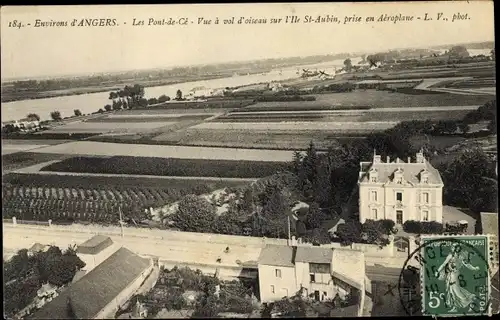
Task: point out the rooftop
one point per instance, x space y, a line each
276 255
411 171
95 245
96 289
314 255
489 223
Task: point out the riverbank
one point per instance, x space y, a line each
8 96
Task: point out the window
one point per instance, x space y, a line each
312 277
425 197
425 180
319 268
374 195
425 215
278 273
374 214
272 289
399 180
399 196
374 179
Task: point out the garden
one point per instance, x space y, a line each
190 290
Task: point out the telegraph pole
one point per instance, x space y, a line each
121 220
289 238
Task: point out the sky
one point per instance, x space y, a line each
50 51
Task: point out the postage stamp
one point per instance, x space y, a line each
454 275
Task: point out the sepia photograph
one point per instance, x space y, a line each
263 160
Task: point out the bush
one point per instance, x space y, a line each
423 227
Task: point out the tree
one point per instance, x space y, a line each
33 117
55 115
348 64
107 107
178 95
318 236
492 52
152 101
470 181
374 232
464 127
349 232
194 214
315 217
163 98
458 52
77 112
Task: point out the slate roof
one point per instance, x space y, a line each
286 256
95 245
411 171
489 223
314 255
96 289
276 255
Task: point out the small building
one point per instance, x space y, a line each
320 272
99 293
400 191
489 226
95 250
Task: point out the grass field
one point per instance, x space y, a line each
168 167
165 111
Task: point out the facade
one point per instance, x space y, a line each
284 270
100 292
400 191
489 226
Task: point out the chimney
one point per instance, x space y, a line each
388 159
420 157
376 157
409 159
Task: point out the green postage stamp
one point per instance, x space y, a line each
455 279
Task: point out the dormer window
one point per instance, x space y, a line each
398 176
424 176
373 175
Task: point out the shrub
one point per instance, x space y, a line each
423 227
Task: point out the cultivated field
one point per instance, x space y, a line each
12 145
373 99
20 160
262 139
93 148
168 167
102 127
340 127
93 198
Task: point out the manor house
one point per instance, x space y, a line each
399 190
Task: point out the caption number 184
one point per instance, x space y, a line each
15 24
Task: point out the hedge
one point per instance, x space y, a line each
423 227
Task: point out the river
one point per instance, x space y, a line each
91 102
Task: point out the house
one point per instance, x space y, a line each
100 292
333 224
320 272
489 226
400 191
94 251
